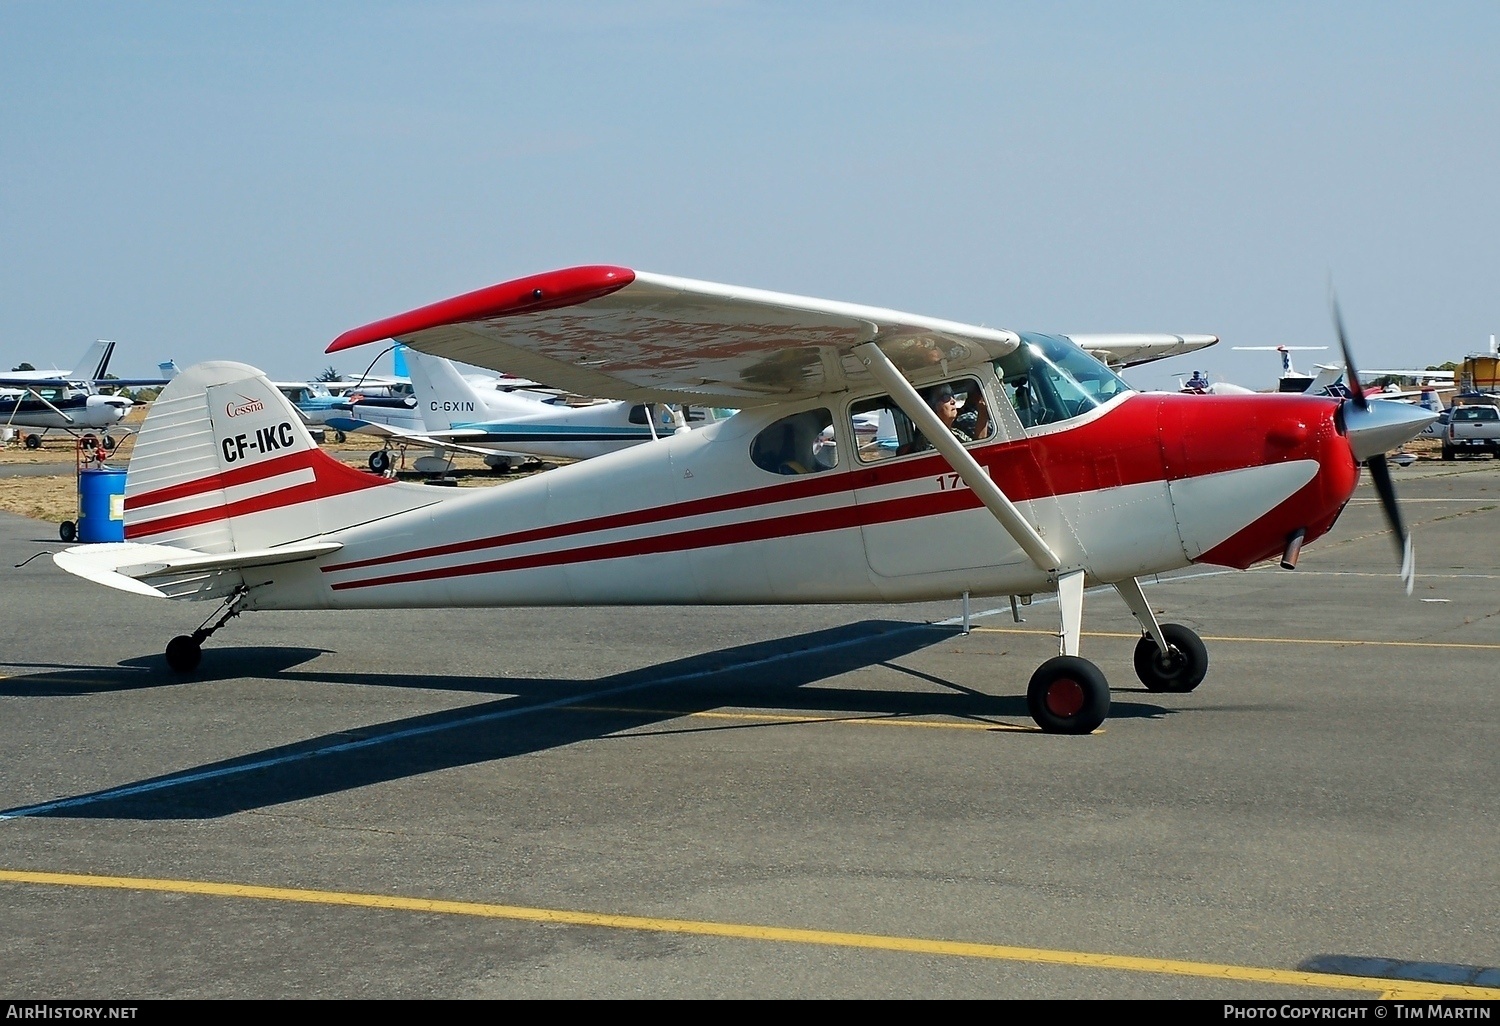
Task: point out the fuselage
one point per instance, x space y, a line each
78 410
1145 483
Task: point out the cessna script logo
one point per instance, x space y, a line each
248 406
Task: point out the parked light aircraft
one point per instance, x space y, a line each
1073 477
72 402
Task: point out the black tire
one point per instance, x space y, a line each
68 531
1447 453
184 654
33 441
1068 695
380 461
111 443
90 442
338 436
1183 667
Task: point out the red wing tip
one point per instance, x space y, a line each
550 290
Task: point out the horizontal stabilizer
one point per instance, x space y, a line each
128 565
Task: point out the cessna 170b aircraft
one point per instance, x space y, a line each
1065 475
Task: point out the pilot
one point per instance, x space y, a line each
968 420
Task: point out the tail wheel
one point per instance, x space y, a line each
1068 695
184 653
1183 666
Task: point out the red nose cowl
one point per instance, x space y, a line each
1211 434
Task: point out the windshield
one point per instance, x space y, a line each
1048 379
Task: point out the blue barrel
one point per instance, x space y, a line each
101 505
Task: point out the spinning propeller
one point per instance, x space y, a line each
1374 429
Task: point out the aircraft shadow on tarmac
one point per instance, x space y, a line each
534 715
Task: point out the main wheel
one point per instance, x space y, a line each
111 443
90 442
1068 695
339 436
1181 669
380 460
184 654
33 441
68 531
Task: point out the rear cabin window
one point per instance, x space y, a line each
882 431
1476 413
800 444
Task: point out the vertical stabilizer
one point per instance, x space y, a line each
224 463
95 362
446 398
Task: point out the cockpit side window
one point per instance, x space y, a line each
1049 380
883 431
802 443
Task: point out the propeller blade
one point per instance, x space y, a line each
1380 474
1351 375
1372 430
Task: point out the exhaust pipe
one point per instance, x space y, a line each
1293 549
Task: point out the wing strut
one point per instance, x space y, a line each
45 402
957 456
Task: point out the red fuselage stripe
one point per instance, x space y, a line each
1012 465
791 525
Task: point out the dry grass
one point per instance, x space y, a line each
54 496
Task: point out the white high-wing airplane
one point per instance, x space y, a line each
1065 476
80 413
505 425
71 402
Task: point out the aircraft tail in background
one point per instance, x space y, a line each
95 363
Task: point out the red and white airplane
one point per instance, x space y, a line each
1064 475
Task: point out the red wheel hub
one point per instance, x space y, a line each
1064 697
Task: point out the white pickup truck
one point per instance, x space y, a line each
1472 429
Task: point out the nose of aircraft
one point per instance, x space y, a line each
1382 425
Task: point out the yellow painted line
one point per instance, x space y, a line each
738 931
878 721
1267 641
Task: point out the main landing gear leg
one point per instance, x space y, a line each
185 651
1068 694
1169 656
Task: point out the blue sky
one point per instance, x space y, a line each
246 181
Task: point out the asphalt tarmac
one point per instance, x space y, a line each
796 802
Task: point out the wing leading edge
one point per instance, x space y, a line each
623 334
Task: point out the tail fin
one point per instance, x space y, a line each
445 397
224 464
95 362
